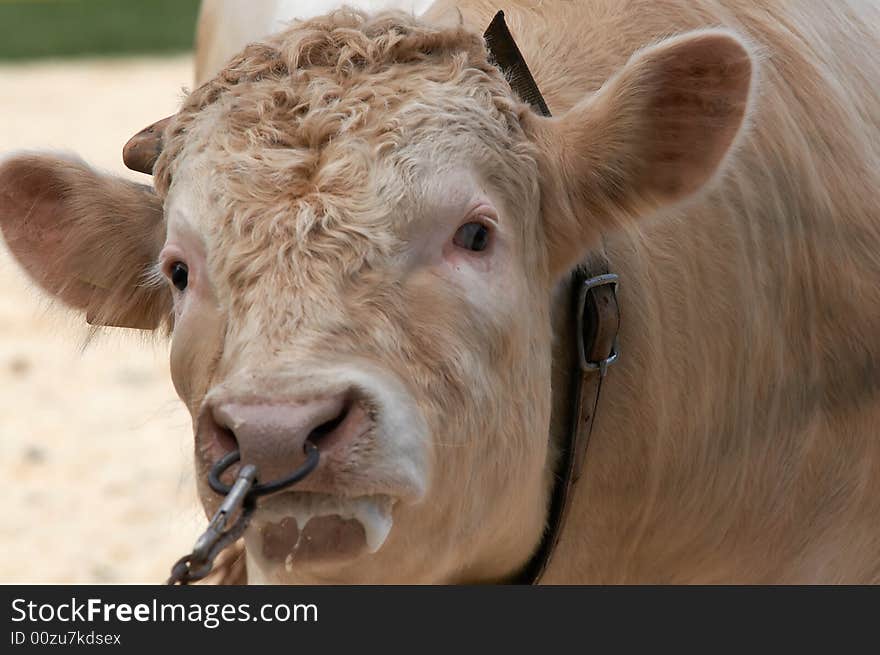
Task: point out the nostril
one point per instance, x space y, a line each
225 440
214 440
217 438
323 432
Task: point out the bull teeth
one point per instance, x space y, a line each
377 521
372 512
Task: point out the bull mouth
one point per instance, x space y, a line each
297 528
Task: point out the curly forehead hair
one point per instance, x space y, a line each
318 81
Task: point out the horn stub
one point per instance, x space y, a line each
143 149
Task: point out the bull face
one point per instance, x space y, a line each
387 338
356 233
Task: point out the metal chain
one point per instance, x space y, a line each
241 498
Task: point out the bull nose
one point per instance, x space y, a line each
272 435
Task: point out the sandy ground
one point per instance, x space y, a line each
95 462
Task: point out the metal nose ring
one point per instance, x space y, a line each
225 462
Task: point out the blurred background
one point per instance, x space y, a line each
95 448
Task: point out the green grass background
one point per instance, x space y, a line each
31 29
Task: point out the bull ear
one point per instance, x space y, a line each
88 239
655 134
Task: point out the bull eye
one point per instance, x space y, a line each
179 275
472 236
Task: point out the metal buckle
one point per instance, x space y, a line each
586 286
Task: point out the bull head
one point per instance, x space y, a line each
349 261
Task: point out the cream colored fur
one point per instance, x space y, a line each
737 437
226 26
